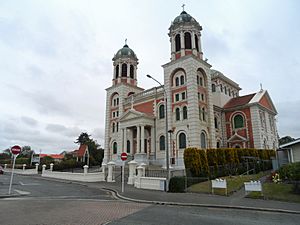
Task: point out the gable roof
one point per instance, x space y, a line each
81 151
290 143
238 101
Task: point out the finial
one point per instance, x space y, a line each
183 7
261 88
126 41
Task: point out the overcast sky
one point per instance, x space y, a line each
56 59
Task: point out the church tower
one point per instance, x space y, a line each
187 82
124 84
185 36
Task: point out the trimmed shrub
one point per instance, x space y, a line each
192 161
177 184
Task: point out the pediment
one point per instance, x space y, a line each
133 114
236 137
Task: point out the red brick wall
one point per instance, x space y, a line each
146 107
265 102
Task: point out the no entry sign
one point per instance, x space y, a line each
124 156
16 150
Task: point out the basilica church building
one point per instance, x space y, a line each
202 106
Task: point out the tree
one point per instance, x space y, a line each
285 140
96 155
83 139
26 152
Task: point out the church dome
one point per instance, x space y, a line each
184 18
125 52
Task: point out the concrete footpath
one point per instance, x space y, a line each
235 201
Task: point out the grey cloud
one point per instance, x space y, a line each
29 121
56 128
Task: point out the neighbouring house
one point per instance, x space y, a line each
82 154
289 152
56 157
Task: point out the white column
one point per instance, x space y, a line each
131 142
110 177
152 141
24 165
37 167
173 47
132 167
138 137
85 169
124 140
143 139
200 46
182 43
194 49
128 72
51 167
120 70
44 168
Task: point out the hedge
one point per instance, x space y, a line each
225 161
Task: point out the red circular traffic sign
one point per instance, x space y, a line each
124 156
16 150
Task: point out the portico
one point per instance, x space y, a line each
137 135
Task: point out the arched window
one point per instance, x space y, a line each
184 110
162 143
203 140
177 114
124 70
238 121
177 43
113 127
198 80
196 41
161 111
216 123
182 140
218 144
128 146
201 81
182 80
213 87
187 40
177 81
115 148
131 71
225 90
117 127
117 71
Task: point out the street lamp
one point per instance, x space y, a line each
166 136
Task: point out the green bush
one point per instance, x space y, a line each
67 164
290 171
23 161
177 184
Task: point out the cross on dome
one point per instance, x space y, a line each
183 7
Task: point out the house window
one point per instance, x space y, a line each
124 70
117 127
213 87
203 140
177 81
198 80
117 113
177 43
184 111
182 140
218 144
131 71
183 95
177 114
182 80
238 121
187 40
115 148
113 127
176 97
216 123
229 92
128 146
161 111
162 143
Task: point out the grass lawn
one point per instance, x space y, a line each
282 192
234 183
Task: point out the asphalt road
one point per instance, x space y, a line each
39 187
174 215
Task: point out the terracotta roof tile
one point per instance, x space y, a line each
238 101
81 150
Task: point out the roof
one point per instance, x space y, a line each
81 150
125 52
184 18
217 74
239 101
54 156
290 143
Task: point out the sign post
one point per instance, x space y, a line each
124 158
15 150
